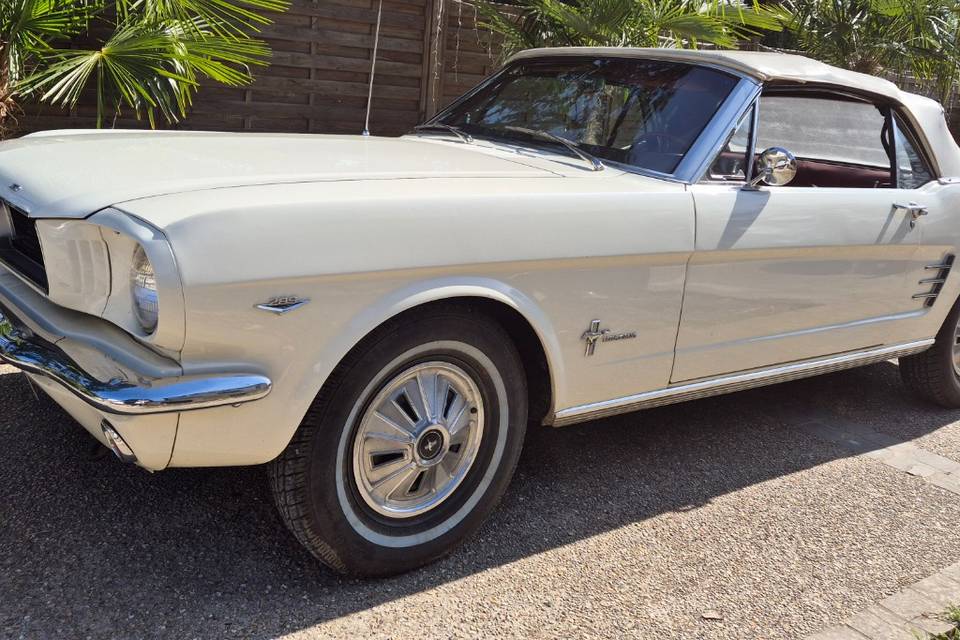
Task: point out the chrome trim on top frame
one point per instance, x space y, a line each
734 382
752 139
30 353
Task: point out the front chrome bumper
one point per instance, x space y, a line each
27 351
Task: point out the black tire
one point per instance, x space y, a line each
932 374
315 484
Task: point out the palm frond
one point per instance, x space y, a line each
919 37
678 23
222 17
152 68
153 61
28 26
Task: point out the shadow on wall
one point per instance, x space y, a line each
90 545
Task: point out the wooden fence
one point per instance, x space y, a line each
429 53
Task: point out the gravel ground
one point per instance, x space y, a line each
634 526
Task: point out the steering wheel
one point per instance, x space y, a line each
658 141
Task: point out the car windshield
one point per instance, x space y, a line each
645 113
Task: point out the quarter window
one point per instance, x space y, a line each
731 162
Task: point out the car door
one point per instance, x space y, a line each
824 265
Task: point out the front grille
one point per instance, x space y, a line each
25 239
21 250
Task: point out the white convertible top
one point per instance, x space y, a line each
759 65
764 66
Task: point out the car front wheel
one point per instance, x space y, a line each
409 446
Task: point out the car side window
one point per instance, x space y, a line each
912 170
838 142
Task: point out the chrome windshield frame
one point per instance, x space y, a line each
715 135
699 157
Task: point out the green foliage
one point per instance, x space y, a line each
636 23
149 56
952 615
921 37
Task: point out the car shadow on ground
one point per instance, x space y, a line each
91 547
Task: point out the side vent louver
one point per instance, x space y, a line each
935 282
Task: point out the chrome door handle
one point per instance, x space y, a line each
914 209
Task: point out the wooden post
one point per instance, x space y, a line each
434 50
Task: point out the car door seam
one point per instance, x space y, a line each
683 288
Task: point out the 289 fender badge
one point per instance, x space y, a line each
15 187
595 334
282 304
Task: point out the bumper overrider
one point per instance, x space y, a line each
117 400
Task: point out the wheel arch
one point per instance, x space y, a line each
526 323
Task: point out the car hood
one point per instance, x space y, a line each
71 174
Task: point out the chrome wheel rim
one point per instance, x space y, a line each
956 349
417 439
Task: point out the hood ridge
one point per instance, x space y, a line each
72 174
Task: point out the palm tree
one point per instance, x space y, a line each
920 37
148 56
637 23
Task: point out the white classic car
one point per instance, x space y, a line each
588 232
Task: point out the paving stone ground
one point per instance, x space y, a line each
820 506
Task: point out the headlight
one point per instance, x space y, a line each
143 286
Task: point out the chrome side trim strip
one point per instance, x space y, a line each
148 395
735 382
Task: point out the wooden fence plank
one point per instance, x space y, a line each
319 69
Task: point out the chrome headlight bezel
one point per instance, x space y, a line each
123 233
121 237
145 297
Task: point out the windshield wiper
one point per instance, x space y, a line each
463 135
569 144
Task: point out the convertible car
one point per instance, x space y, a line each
588 232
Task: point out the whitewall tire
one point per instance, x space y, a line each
409 446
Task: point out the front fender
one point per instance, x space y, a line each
423 292
258 432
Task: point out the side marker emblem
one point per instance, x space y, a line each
282 304
595 335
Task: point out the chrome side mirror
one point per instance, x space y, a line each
776 167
